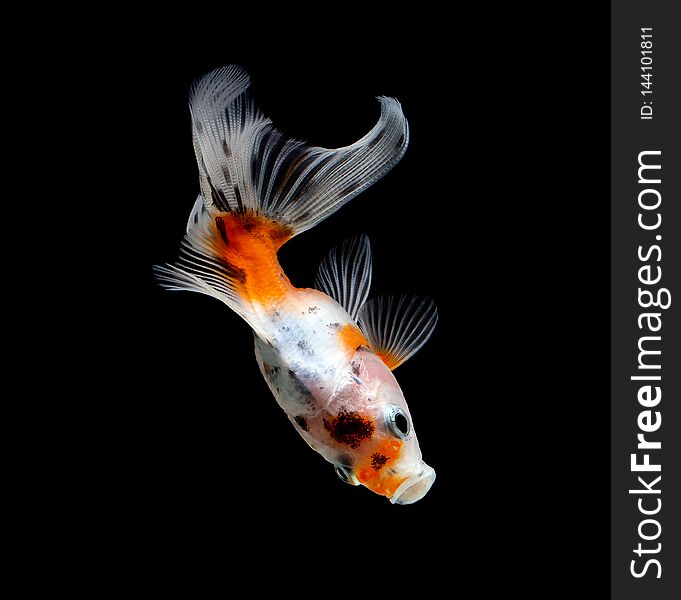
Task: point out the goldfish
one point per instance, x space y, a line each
327 353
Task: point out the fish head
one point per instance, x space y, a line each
372 438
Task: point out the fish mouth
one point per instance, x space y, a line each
414 488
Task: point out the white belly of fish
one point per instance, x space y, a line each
305 360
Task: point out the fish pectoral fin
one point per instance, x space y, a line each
397 326
345 274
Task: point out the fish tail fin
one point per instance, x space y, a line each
247 165
260 188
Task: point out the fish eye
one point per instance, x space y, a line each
398 422
345 475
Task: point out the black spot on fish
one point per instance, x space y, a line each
302 344
355 368
335 325
229 270
291 374
222 230
235 272
237 196
218 197
302 422
378 461
350 428
284 328
313 309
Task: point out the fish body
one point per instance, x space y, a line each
326 354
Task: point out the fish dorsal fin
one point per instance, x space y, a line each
345 274
397 327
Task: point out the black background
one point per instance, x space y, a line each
498 211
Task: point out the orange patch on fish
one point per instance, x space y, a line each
351 337
381 480
249 245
